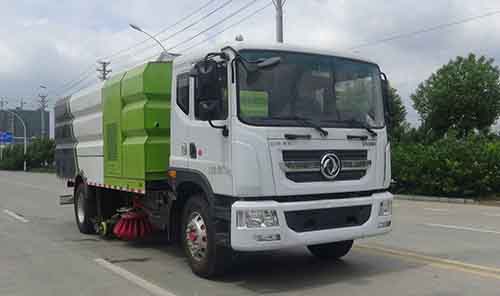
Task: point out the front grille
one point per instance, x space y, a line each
304 177
322 219
356 164
304 155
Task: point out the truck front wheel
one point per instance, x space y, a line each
85 209
205 257
332 250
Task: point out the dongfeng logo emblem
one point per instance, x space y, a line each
330 166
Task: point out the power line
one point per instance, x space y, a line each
86 73
65 85
77 82
182 42
205 16
215 25
201 32
231 26
165 29
425 30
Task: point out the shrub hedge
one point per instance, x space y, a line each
40 154
452 167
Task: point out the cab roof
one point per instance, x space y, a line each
195 56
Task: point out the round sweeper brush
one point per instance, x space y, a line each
133 225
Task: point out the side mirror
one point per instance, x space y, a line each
386 97
205 69
209 109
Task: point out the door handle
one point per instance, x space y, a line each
192 150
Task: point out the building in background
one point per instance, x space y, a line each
33 120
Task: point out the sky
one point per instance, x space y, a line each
54 42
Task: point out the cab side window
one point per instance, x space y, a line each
183 92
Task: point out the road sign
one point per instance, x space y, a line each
6 138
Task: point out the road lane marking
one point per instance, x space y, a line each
16 216
455 227
480 270
436 210
491 215
137 280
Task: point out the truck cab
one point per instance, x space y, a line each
289 144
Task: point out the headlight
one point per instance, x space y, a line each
385 208
257 219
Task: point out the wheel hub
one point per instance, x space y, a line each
196 236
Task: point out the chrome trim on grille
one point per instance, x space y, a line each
314 166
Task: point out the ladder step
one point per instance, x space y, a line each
66 199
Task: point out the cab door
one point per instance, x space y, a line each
209 145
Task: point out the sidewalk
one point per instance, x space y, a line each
446 199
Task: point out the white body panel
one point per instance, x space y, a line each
86 108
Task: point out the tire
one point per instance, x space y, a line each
205 257
85 209
332 250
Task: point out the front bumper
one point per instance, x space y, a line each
244 239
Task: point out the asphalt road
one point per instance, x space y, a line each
434 249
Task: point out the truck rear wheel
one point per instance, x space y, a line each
205 257
332 250
85 210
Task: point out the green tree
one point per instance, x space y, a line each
397 119
12 158
41 153
463 95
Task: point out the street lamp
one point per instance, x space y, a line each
25 139
139 29
165 52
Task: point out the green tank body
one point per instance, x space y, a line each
136 125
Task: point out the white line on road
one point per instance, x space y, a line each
148 286
491 215
436 210
16 216
462 228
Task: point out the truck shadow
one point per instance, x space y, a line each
296 269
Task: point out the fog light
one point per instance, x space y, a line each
385 208
267 237
256 219
384 224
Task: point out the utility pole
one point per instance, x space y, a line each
3 102
279 4
43 104
103 70
22 102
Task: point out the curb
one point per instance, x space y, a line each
435 199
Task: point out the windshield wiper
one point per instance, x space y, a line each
357 123
305 121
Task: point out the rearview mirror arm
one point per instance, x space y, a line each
225 130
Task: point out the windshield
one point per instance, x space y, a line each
331 91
